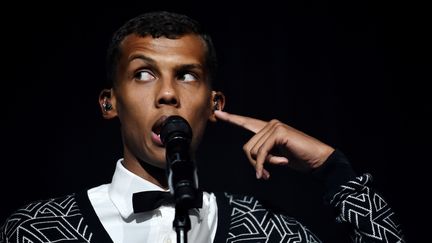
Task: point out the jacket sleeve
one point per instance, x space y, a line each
356 203
2 235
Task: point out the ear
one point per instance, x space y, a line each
217 103
107 103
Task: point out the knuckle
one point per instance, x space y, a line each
275 122
246 148
279 126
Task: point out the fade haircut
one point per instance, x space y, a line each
159 24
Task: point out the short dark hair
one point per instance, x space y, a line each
159 24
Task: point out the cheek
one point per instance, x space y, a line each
199 112
135 102
199 106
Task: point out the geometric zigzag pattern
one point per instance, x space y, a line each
251 222
370 216
52 220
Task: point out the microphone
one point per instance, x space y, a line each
176 136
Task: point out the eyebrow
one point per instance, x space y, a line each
142 57
184 67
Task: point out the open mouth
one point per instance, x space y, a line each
156 129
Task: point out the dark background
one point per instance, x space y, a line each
351 74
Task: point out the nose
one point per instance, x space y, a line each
167 94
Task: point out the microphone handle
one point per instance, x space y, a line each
182 174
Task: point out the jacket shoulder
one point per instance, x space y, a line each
248 219
49 220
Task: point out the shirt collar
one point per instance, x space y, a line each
123 185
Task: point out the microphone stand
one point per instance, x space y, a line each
181 223
184 194
182 183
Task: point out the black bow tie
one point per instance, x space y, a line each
150 200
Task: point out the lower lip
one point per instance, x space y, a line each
156 139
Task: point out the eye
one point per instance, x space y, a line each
188 77
144 75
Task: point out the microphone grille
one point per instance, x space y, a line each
175 126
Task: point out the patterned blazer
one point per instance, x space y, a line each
240 218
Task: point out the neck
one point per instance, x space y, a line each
155 175
146 171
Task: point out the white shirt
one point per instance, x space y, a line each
113 205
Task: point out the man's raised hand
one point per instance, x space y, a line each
277 143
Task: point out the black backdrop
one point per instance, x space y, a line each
351 74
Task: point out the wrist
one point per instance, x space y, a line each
334 171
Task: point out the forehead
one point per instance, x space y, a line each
189 48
